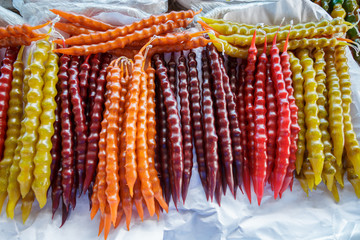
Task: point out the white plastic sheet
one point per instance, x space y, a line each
8 17
209 5
112 11
295 216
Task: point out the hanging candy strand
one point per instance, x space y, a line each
33 110
42 158
13 188
186 121
260 131
14 114
249 109
199 122
222 116
151 133
283 121
294 127
313 135
111 34
173 120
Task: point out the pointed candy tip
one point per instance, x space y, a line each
25 216
265 45
248 192
23 191
218 200
2 200
128 220
166 209
184 194
80 192
242 192
131 191
276 190
285 185
248 196
164 206
317 180
86 186
42 204
178 196
259 196
101 225
58 41
118 219
232 191
275 195
253 40
107 226
113 220
151 211
199 11
10 212
176 207
41 199
57 50
65 214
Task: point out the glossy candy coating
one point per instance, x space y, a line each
42 159
33 110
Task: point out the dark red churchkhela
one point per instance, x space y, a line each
186 124
173 120
56 138
162 142
210 136
234 127
67 152
172 73
196 117
79 120
95 124
223 125
84 80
